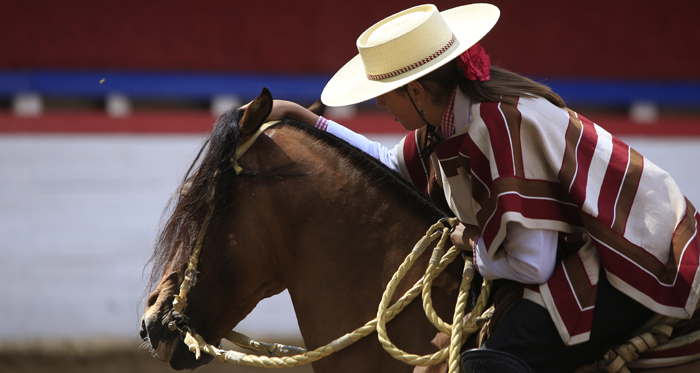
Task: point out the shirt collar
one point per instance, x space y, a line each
448 117
457 115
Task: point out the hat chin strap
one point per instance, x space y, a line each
432 137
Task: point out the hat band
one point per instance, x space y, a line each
416 64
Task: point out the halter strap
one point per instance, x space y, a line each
244 147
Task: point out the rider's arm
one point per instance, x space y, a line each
287 109
530 255
373 148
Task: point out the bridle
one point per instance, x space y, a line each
179 320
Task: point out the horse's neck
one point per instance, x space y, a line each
354 240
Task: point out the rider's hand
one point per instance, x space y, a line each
282 109
464 236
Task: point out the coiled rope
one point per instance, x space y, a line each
438 263
657 331
456 331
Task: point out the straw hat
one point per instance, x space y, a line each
403 47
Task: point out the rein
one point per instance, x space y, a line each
459 331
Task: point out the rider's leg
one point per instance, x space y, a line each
528 332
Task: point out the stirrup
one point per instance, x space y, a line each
492 361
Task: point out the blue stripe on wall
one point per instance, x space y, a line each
160 85
308 88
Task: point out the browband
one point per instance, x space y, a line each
242 149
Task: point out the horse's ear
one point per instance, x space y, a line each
318 108
256 113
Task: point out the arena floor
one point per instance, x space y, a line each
118 359
119 362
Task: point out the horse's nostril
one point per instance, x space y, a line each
152 300
143 333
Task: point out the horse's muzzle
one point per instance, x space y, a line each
167 345
181 358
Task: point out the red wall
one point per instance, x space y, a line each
597 38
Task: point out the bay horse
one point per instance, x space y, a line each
309 213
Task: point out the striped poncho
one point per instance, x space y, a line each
550 168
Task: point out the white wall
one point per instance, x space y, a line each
78 215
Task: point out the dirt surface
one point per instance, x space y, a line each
121 359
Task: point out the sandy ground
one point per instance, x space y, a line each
106 357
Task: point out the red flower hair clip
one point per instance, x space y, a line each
475 63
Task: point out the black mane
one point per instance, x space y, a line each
212 169
188 205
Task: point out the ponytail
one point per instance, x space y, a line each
502 86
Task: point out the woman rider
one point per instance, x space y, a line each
600 237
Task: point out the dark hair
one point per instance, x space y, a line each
502 86
189 204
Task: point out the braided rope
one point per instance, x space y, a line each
274 349
197 345
457 331
430 274
656 332
180 300
458 336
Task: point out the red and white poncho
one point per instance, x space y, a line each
549 168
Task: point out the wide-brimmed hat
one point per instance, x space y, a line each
404 47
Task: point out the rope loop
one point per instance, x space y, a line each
290 356
457 331
655 332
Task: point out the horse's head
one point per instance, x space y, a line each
223 291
